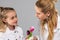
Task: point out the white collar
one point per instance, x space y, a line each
9 31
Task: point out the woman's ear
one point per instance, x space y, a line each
48 13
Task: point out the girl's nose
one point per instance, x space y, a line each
16 19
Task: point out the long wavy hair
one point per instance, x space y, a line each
48 6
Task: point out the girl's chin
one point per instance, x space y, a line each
15 24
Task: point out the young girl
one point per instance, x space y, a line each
49 19
9 19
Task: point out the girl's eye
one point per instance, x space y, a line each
16 16
12 17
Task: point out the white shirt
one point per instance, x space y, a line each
56 32
16 34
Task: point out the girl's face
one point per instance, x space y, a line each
11 18
39 14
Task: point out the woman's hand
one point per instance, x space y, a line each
31 38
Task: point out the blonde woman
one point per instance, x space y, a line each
49 19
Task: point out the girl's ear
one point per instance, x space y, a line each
4 20
48 13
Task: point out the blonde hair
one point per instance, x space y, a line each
3 12
2 26
6 10
48 6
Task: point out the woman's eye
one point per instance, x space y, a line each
38 13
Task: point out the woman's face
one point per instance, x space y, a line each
39 14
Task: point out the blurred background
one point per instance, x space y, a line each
26 13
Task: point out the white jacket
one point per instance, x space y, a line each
56 32
16 34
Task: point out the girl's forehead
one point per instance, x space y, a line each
11 13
